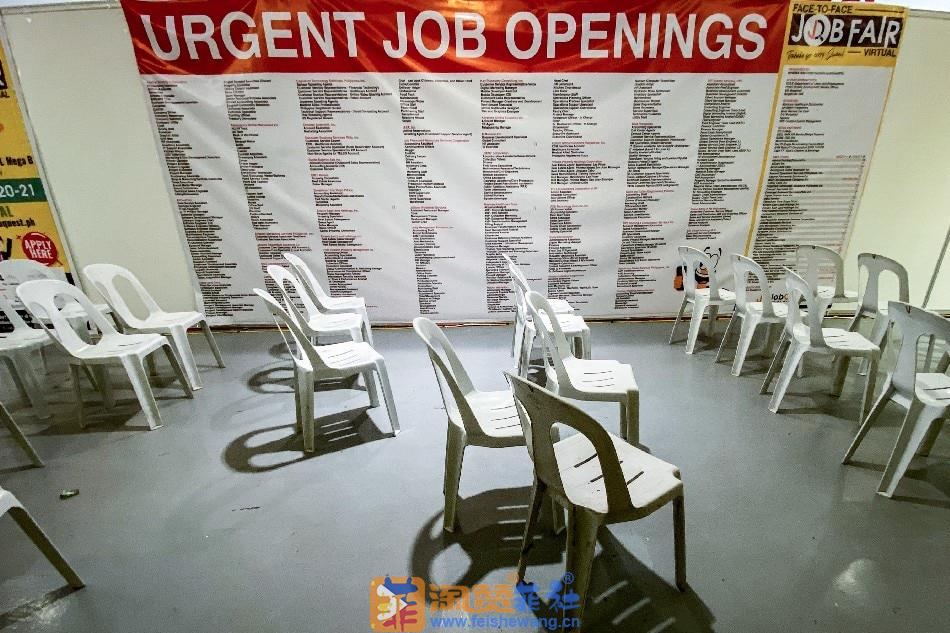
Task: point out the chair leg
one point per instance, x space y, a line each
711 322
356 334
39 538
676 321
104 384
840 374
518 339
372 390
869 384
931 438
515 328
179 371
695 325
725 335
531 525
44 357
17 378
780 352
213 344
75 375
878 336
33 391
868 422
306 397
795 354
679 541
298 425
585 344
388 396
366 327
454 454
18 437
916 426
581 543
183 348
630 418
135 368
749 325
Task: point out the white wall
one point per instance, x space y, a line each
89 112
905 210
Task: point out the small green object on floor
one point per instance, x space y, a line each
66 494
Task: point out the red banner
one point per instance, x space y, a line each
446 36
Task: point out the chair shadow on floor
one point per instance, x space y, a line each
30 609
277 446
625 596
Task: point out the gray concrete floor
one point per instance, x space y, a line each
219 522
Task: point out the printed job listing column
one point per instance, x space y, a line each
837 67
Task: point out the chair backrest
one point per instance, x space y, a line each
799 290
310 282
103 278
16 271
554 342
302 350
693 259
914 324
875 265
291 288
742 267
12 315
47 297
819 260
450 374
519 284
539 410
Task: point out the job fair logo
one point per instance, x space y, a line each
836 25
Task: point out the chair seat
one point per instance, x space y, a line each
24 338
561 306
726 296
118 345
933 389
571 324
496 415
839 340
828 292
163 320
348 355
651 482
335 322
343 303
592 377
780 309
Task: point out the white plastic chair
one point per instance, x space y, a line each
316 323
327 362
585 379
925 395
518 281
326 303
599 478
129 350
809 337
573 326
18 271
752 314
174 325
10 504
712 297
18 436
870 306
476 418
15 348
818 261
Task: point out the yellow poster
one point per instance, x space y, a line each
27 227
